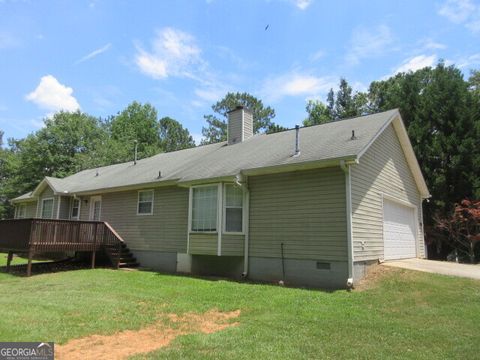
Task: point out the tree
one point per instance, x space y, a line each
216 129
274 128
136 122
173 136
344 102
340 105
462 227
64 146
318 113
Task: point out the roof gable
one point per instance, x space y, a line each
402 134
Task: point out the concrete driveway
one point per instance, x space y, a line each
437 267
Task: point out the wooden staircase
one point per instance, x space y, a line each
127 260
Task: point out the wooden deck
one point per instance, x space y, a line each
35 236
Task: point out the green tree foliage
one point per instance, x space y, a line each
136 122
340 105
65 145
318 113
216 129
173 136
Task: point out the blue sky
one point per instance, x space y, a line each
182 56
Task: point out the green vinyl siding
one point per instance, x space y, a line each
232 245
304 210
203 244
383 169
31 209
165 230
84 208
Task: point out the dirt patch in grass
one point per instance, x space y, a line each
374 277
131 342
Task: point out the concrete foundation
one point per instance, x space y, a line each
156 260
361 269
309 273
227 266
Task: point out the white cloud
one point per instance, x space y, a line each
173 53
302 4
467 61
368 43
94 53
457 11
295 84
210 94
316 56
416 63
430 44
53 96
464 12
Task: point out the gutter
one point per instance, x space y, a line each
246 210
345 166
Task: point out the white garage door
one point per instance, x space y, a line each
398 231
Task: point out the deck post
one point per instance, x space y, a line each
29 265
9 260
94 245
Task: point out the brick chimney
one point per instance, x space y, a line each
240 125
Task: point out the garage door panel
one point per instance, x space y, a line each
398 231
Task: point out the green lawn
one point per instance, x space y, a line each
405 315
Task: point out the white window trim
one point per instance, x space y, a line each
92 201
79 207
17 211
190 210
224 221
53 207
138 202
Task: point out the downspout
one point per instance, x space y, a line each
246 210
348 195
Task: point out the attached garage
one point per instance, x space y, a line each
399 231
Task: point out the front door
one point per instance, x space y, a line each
95 208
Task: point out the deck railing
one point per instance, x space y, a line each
46 235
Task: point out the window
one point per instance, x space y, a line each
47 209
233 209
21 211
204 208
75 209
145 202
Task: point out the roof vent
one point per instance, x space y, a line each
297 140
159 175
353 135
135 156
96 173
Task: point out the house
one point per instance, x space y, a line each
313 206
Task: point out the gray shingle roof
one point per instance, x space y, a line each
317 143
